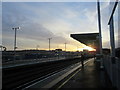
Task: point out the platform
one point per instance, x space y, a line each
91 76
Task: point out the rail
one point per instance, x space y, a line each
17 77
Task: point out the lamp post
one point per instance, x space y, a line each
65 46
37 47
15 47
65 49
49 42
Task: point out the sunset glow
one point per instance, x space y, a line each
89 48
39 21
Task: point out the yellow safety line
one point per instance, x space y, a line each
67 80
70 77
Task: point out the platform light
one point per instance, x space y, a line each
15 47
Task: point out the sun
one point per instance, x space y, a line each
88 48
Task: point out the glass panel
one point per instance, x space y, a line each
116 30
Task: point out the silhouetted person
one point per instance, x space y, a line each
82 59
94 56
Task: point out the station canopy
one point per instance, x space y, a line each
89 39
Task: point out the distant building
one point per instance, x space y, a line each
58 49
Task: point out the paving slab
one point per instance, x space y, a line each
91 76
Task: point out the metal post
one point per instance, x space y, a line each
15 46
65 46
112 40
49 42
15 42
37 47
100 36
65 49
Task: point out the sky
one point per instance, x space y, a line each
39 21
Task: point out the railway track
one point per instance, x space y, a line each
22 76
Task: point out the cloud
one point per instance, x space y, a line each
39 21
91 15
29 29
